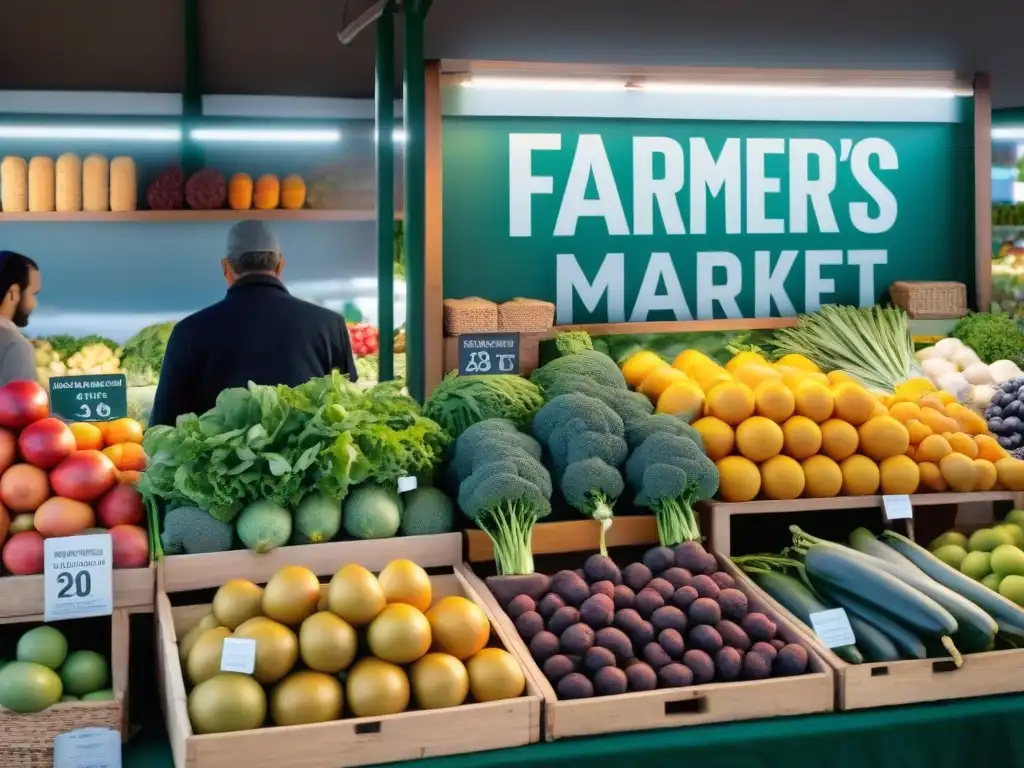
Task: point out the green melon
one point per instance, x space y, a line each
317 518
264 526
27 687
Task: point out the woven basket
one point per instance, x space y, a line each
470 315
526 316
26 741
930 299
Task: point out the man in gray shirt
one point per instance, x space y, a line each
19 285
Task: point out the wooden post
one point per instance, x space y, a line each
433 323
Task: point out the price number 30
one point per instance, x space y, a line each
480 362
85 412
74 585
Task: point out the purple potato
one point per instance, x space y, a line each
701 665
691 556
598 657
677 577
643 634
777 643
610 681
767 650
733 604
571 587
574 686
580 572
672 641
543 646
627 619
605 588
648 601
658 559
756 667
636 576
675 675
623 597
655 655
556 667
663 587
641 677
669 617
759 628
732 635
577 639
520 605
704 638
563 619
723 580
791 660
529 624
597 611
616 641
549 604
728 664
684 597
600 568
704 610
705 586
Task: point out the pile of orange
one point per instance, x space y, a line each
120 440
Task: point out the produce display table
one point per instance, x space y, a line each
972 731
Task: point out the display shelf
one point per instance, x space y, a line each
551 538
187 215
22 596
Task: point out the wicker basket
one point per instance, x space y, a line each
930 299
526 316
26 741
470 315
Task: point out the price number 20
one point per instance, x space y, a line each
74 585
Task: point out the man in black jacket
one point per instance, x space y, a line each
258 332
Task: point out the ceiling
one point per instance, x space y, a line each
290 48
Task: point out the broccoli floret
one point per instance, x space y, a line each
640 428
668 473
589 364
605 446
526 466
490 437
573 342
505 506
592 486
628 405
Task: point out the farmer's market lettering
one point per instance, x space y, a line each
709 176
633 220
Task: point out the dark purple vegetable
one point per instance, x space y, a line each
733 604
574 686
659 559
610 681
759 628
684 597
701 665
641 677
704 638
705 586
636 576
704 610
623 597
648 601
563 619
626 619
655 655
556 667
791 660
577 639
691 556
672 641
663 587
543 646
601 568
520 605
616 641
756 667
206 190
777 643
675 675
728 664
597 611
570 587
605 588
549 604
767 650
598 657
723 580
732 635
529 624
643 634
167 191
677 577
669 617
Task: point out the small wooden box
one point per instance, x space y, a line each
665 707
22 597
929 299
885 684
26 741
350 741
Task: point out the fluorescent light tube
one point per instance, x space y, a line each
267 135
1015 133
92 133
494 83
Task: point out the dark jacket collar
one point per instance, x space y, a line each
256 281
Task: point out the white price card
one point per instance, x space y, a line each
897 507
238 655
407 483
77 577
833 627
87 748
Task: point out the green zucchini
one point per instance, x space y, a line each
976 629
1007 615
796 598
837 567
906 644
864 541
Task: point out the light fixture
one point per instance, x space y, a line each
398 135
584 84
1015 133
267 135
90 133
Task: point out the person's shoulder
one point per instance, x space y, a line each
316 314
198 321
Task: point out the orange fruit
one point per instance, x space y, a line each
459 627
88 437
127 456
129 477
122 431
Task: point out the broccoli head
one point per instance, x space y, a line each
526 466
488 437
627 404
593 486
588 364
640 428
573 342
668 473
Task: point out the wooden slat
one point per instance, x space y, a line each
22 596
571 536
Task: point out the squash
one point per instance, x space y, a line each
917 431
1011 474
882 437
240 192
683 399
124 185
822 477
860 476
95 184
759 439
68 183
904 410
937 420
959 472
639 365
782 477
293 192
738 479
774 400
801 437
899 476
266 192
933 448
853 403
731 401
14 185
989 448
41 179
963 443
931 477
839 440
814 400
659 380
717 436
985 475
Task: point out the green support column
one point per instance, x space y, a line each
415 192
385 148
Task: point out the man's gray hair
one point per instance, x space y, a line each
254 261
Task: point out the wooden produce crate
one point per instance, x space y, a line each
350 741
26 741
717 516
22 596
885 684
663 707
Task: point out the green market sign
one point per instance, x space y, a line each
621 220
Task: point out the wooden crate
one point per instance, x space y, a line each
351 741
884 684
717 515
26 741
22 596
667 707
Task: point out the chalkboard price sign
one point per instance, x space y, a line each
485 354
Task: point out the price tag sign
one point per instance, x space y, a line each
407 483
833 627
485 354
101 397
238 655
897 507
87 748
77 577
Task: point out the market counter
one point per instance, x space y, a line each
954 734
